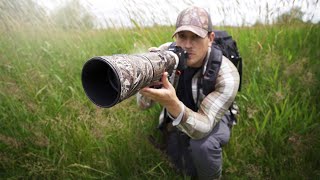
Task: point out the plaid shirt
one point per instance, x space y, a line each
211 107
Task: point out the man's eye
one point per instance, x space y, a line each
182 36
195 37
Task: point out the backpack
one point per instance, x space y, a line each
229 49
223 45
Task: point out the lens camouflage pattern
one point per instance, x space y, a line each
107 80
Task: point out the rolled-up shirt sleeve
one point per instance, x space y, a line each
178 119
213 107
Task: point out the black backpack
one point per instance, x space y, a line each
223 45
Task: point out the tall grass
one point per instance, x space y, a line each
277 135
49 129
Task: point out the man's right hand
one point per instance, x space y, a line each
166 96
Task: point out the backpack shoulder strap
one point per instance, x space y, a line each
212 69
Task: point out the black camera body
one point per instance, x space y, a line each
182 55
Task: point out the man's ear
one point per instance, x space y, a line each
211 38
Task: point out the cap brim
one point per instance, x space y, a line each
197 30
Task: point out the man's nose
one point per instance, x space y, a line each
188 43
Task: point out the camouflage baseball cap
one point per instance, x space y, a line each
194 19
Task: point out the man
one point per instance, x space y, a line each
198 124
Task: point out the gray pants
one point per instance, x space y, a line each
202 157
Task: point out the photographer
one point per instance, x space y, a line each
198 125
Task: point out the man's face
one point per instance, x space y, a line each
196 46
